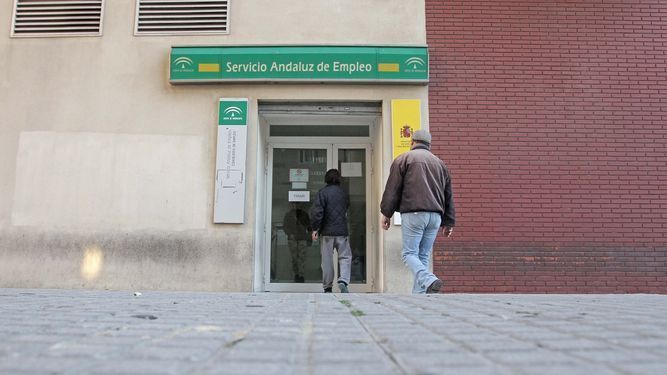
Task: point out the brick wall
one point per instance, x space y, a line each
552 116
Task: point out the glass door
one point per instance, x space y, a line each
296 173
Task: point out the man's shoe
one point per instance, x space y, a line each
327 290
434 287
343 287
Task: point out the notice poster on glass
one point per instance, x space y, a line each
298 196
350 169
298 175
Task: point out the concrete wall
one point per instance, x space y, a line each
105 166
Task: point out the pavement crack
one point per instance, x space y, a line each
308 336
231 344
380 342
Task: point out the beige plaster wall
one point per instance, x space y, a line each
103 162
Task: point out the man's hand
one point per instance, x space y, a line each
447 231
386 222
313 235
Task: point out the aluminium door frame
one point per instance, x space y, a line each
332 145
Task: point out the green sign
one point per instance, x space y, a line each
299 64
233 112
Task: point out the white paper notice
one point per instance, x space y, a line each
350 169
299 196
299 185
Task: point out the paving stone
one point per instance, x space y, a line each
38 364
169 353
655 368
355 368
615 355
532 357
569 369
139 366
417 361
249 368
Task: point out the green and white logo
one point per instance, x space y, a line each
415 64
182 64
233 112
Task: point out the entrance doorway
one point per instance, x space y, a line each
298 156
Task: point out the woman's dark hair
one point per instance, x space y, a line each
332 177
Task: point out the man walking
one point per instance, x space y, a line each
420 188
328 219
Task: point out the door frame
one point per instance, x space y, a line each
371 256
332 145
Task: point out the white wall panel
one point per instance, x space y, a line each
110 181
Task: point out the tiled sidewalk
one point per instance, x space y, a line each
112 332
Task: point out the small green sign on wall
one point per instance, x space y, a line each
230 161
233 112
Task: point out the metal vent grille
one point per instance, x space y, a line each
57 18
182 17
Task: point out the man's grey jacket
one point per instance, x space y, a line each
419 182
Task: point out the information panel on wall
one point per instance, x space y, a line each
358 64
230 166
405 120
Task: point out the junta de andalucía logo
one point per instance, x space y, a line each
182 64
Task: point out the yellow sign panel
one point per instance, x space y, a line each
209 68
388 67
405 120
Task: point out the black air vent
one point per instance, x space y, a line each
57 18
182 17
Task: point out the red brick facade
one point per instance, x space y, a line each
552 116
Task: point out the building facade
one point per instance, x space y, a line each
119 169
552 116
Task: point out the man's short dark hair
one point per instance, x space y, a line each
332 177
